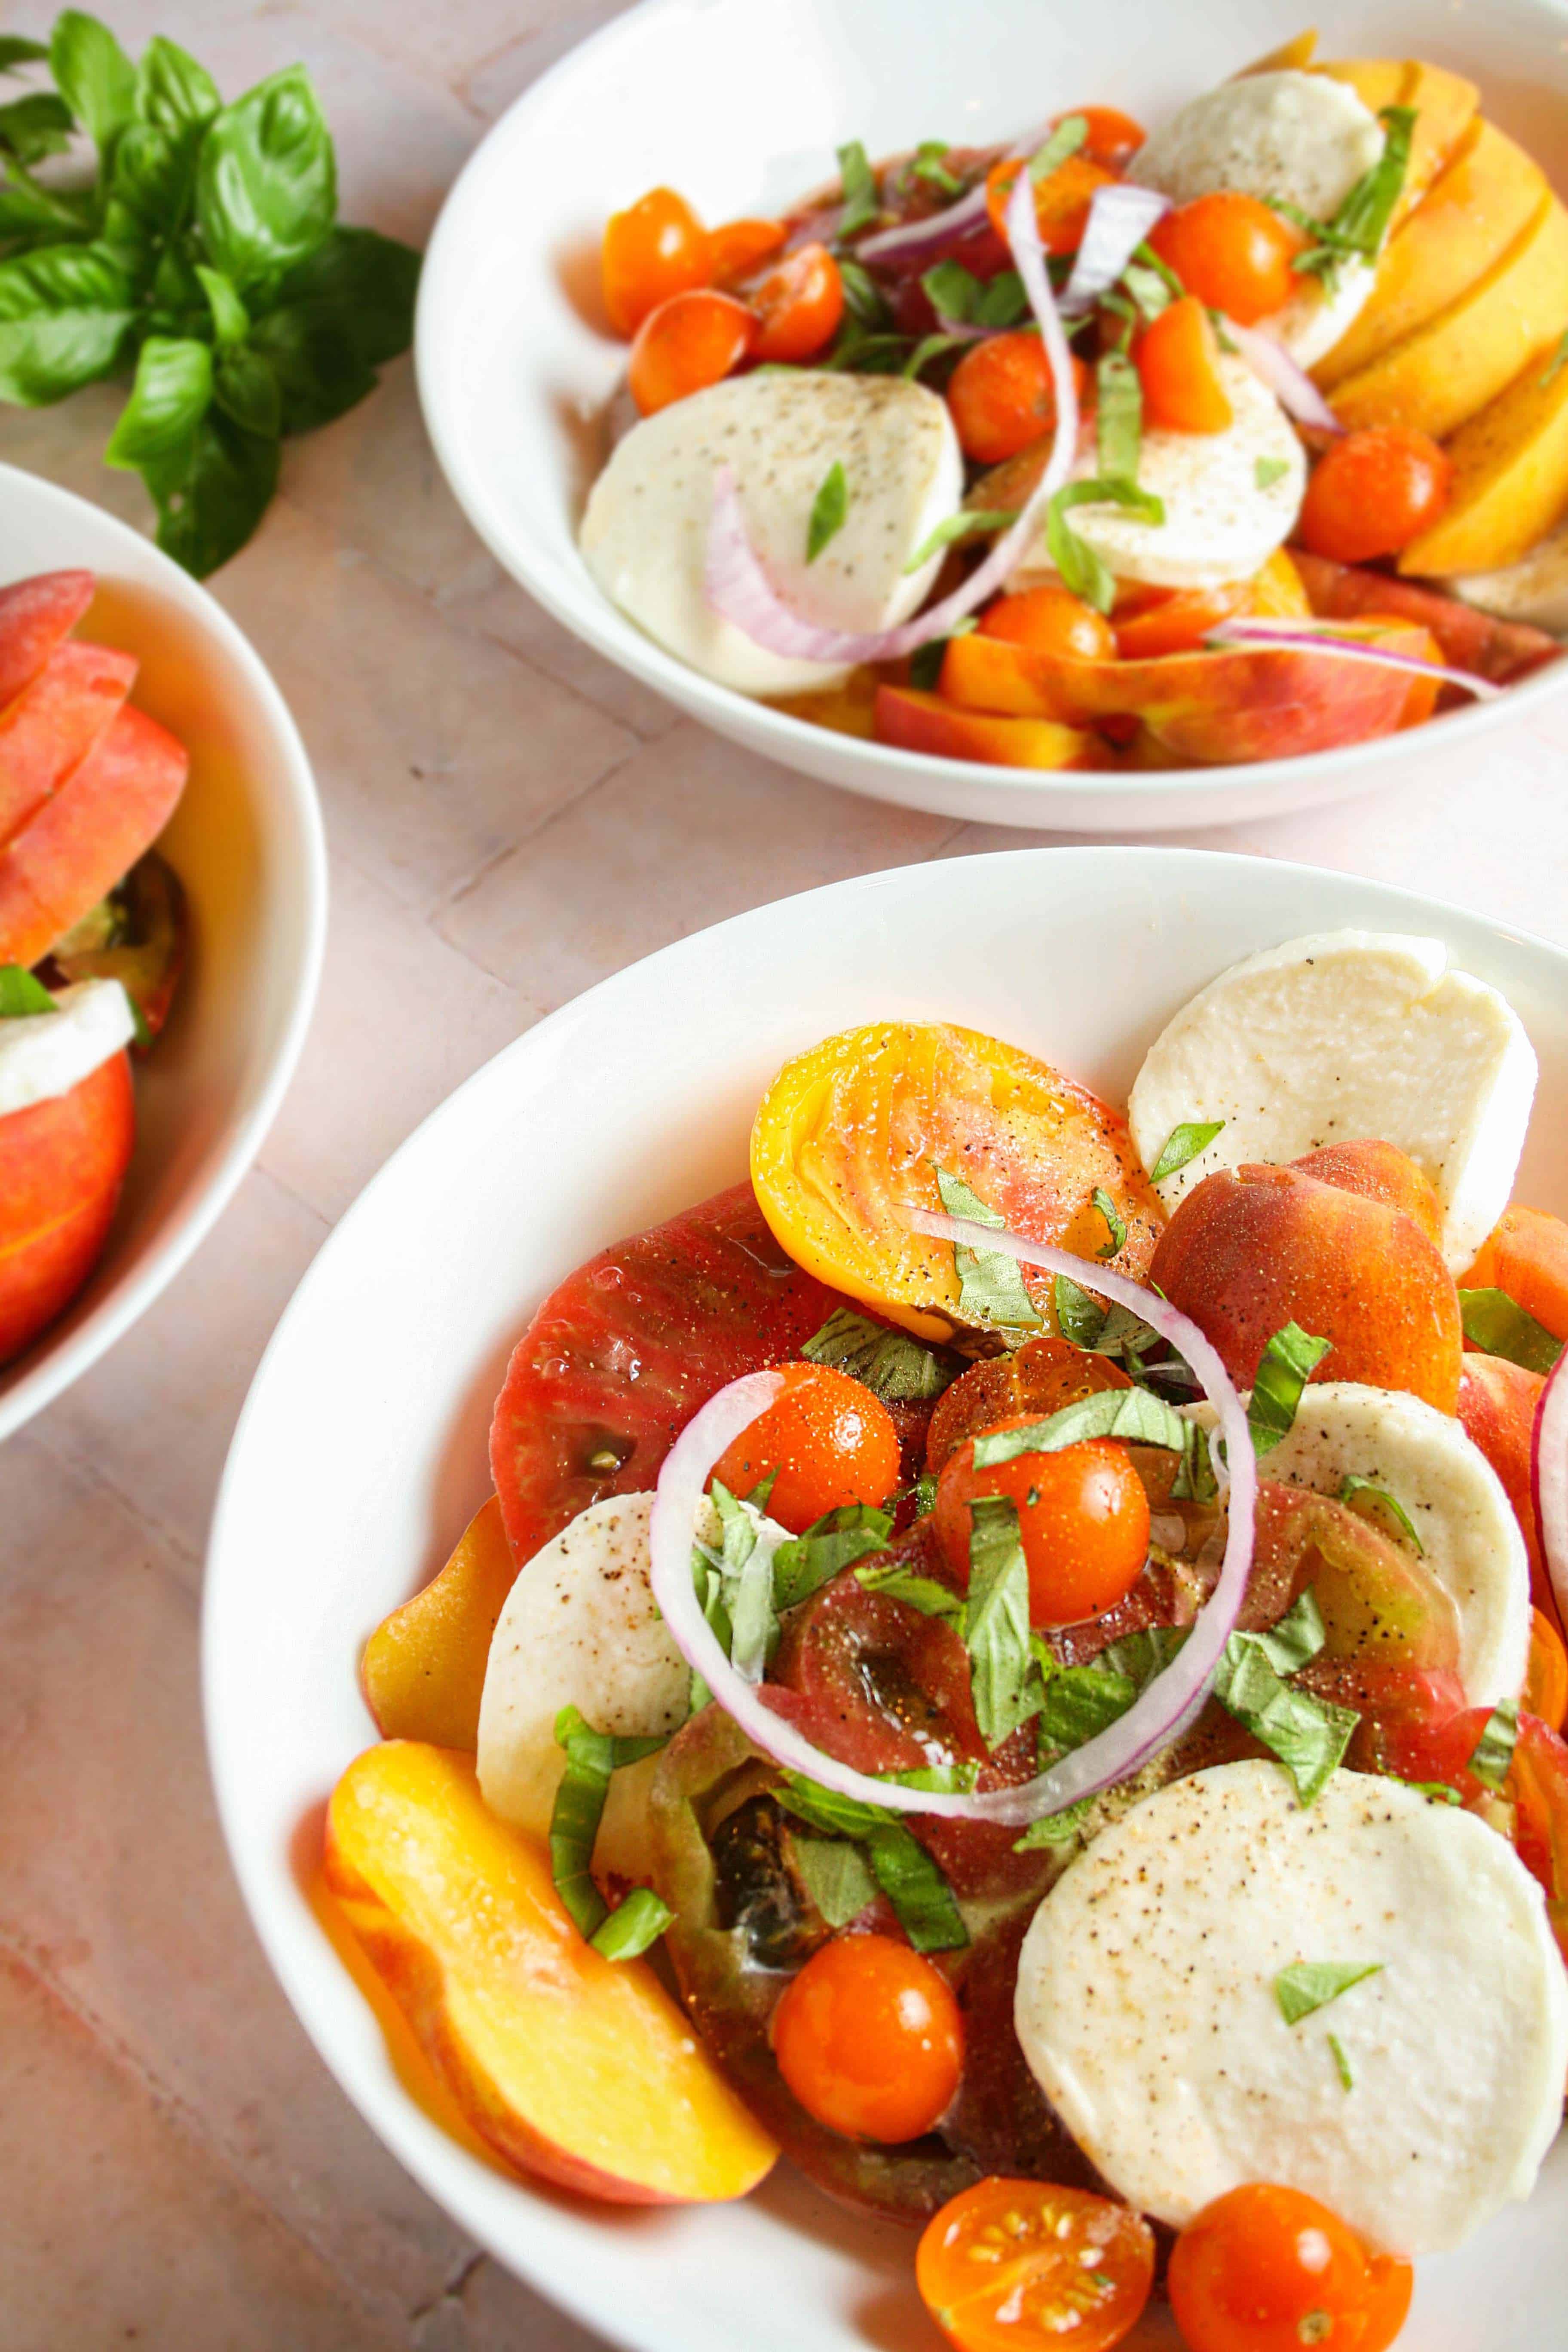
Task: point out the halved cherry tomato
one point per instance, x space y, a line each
1050 621
1267 2269
1232 252
1083 1515
1177 622
1002 398
738 247
688 343
1062 199
799 304
1178 365
1373 493
1545 1690
657 248
1114 138
1018 2265
869 2039
830 1441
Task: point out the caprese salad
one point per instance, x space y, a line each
92 939
1017 1657
1237 440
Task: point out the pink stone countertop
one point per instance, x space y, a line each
509 821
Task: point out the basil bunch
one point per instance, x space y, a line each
205 252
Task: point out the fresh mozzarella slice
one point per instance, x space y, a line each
1535 589
1454 1500
1223 519
1318 317
645 535
1298 138
1147 2007
1341 1037
581 1629
47 1054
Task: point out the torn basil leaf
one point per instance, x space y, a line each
592 1758
942 1780
970 522
1003 1682
636 1924
893 1365
1494 1750
1054 1828
1296 1639
909 1876
1084 571
22 996
1499 1326
1308 1736
1069 134
929 347
929 165
804 1563
1080 1702
1285 1367
1142 1655
858 182
1308 1985
926 1593
829 510
990 1284
1118 424
1341 2064
1183 1144
1437 1792
1269 471
925 662
1129 1413
1385 1505
1115 1222
836 1875
1149 293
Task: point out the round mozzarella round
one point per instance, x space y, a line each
644 535
1339 1037
1453 1498
581 1629
43 1055
1148 2010
1300 138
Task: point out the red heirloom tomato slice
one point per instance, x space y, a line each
619 1357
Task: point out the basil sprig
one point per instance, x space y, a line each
1499 1326
202 255
592 1759
861 203
1359 227
909 1876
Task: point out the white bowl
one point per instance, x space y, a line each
246 842
741 104
361 1453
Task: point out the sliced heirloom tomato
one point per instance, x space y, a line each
850 1136
1021 2265
618 1359
62 1163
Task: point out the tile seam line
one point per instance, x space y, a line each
55 1440
470 882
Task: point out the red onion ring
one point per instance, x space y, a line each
1296 639
1286 377
911 239
1160 1714
740 590
1549 1477
1120 218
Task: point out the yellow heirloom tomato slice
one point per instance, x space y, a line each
850 1137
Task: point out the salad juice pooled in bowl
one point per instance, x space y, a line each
1243 439
1042 1624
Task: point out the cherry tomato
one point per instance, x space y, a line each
1038 1379
799 303
1546 1675
1267 2269
1232 252
1373 492
1051 621
869 2037
688 343
657 248
1062 199
830 1441
1083 1515
1018 2265
1002 398
1113 138
1178 366
738 247
1177 623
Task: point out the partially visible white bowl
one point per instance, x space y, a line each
246 842
741 104
361 1453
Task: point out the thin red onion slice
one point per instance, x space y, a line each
1162 1712
739 588
911 239
965 330
1296 639
1549 1477
1120 218
1286 377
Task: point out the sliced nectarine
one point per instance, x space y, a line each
423 1666
1469 639
53 724
1251 1249
570 2065
74 849
1527 1255
925 723
36 616
62 1163
1379 1172
1496 1410
986 673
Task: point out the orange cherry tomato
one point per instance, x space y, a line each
1002 398
869 2039
1083 1515
688 343
1546 1674
830 1441
1373 493
1062 199
1232 252
1050 621
1267 2269
1178 367
1021 2265
1177 622
657 248
799 304
1113 138
738 247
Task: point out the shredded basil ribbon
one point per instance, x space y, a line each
1115 1222
804 1563
1002 1680
1499 1326
829 510
1269 471
1285 1365
1183 1144
1360 225
929 165
1308 1736
1355 1486
1119 418
910 1877
1130 1413
971 522
636 1924
857 183
1070 133
1083 570
22 996
1494 1750
1341 2064
955 293
990 1284
592 1758
1308 1985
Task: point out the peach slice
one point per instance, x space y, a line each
925 723
1526 1254
55 722
423 1670
1497 1412
62 1163
1379 1172
36 616
1501 650
75 848
577 2068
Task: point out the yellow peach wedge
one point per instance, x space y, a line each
423 1666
